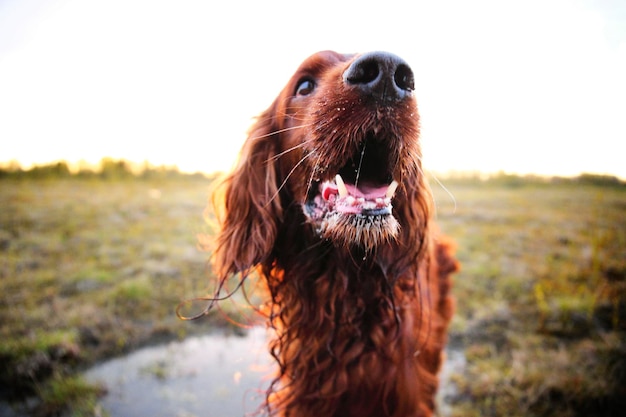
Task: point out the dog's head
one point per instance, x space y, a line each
355 120
341 141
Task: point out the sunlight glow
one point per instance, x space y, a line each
530 87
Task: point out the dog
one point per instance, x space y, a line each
330 208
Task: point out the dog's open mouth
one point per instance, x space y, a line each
348 199
355 207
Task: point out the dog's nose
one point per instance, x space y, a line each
381 75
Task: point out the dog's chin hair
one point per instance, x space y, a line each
355 230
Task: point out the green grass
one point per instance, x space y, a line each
541 297
59 391
92 268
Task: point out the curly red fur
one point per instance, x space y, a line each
360 306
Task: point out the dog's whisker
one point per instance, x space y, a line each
358 172
298 115
312 176
286 151
434 176
276 132
287 178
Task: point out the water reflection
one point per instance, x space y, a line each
218 375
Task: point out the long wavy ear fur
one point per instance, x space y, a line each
249 202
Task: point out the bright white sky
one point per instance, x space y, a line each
526 87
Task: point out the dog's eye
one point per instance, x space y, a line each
305 87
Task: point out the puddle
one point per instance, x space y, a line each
217 375
455 364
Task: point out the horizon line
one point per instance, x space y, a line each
83 165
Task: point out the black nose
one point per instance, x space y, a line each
381 75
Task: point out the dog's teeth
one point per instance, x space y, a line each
341 186
392 189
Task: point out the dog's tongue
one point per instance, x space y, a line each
349 198
365 191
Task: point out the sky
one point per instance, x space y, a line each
521 87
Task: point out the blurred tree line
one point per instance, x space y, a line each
119 169
107 169
515 180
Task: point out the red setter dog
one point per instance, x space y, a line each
330 206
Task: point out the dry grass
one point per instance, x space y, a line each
541 298
92 268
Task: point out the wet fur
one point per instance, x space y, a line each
360 328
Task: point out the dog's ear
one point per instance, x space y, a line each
249 207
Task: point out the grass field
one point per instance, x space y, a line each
91 268
541 298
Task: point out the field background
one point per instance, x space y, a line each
93 265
